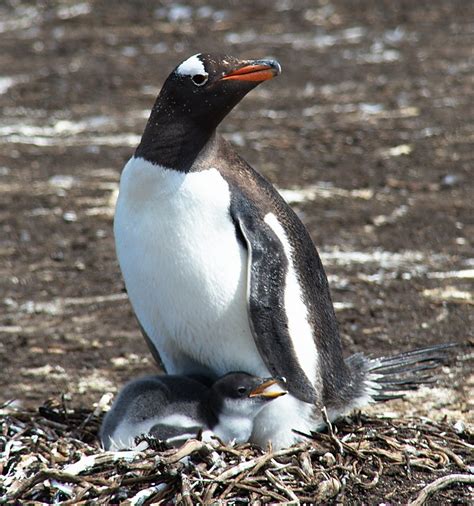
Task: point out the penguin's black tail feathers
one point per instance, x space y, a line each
386 378
406 371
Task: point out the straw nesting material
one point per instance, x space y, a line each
52 455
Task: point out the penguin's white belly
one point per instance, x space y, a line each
184 269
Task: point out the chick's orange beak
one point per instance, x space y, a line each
269 389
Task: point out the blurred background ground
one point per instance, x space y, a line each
369 131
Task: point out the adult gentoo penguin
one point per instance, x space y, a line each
176 408
221 273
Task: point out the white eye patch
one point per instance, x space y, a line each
191 67
194 68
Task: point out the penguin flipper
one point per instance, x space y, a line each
266 270
174 435
152 347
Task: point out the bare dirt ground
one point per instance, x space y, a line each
369 132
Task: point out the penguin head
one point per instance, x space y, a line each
206 87
244 395
194 99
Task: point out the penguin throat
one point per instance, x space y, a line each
172 140
233 428
230 423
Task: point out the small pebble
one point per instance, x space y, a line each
450 180
328 459
25 236
62 181
57 256
70 216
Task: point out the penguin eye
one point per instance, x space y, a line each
241 390
200 79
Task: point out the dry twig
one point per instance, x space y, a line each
47 459
439 484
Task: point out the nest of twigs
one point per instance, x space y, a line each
52 456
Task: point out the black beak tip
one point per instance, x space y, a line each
271 62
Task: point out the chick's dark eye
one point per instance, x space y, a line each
241 390
199 79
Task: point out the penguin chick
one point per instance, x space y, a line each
176 408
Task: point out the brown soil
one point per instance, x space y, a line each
372 116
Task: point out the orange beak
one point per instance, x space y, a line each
265 390
256 71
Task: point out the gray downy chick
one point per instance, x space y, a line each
176 408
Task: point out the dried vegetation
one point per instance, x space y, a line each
52 456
